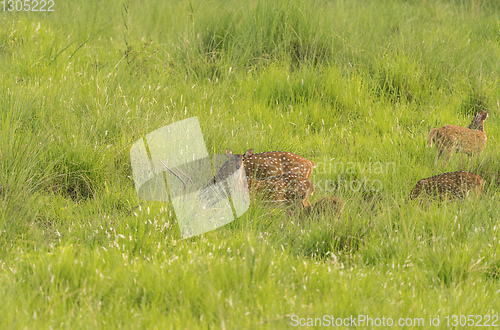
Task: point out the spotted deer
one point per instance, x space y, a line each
325 206
282 189
272 163
470 140
453 185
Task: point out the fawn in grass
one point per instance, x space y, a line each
453 185
325 206
470 140
272 163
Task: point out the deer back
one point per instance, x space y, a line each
272 163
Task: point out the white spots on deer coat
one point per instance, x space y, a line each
273 163
470 140
285 188
451 185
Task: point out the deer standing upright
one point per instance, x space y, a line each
451 185
470 140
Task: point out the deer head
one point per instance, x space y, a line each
478 121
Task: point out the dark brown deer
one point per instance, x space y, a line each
272 163
470 140
453 185
325 206
282 189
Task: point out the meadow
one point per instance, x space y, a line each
355 86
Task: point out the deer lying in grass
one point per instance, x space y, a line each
282 189
272 163
326 206
451 185
470 140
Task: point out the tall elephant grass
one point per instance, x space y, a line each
354 86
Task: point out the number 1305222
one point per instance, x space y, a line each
27 5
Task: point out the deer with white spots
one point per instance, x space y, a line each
277 177
451 185
282 189
272 163
470 140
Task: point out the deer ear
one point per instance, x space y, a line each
228 152
248 153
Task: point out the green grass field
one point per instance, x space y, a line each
355 86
